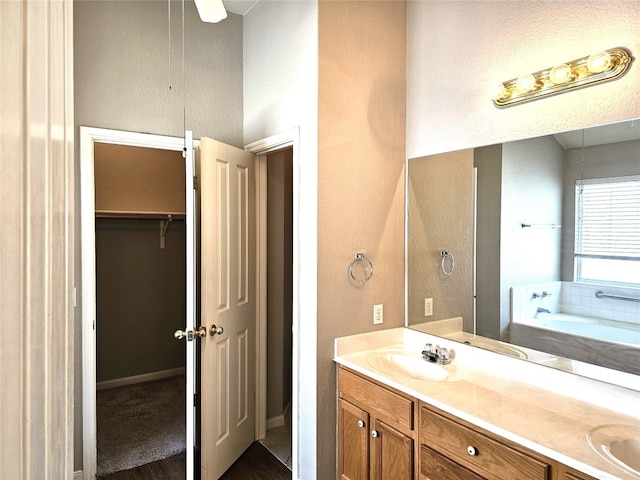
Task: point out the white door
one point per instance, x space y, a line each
228 304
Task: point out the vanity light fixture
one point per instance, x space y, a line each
586 71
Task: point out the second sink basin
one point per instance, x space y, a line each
619 444
407 364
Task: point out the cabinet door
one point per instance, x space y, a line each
353 442
391 453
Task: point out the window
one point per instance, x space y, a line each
607 245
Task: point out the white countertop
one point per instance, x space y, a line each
540 408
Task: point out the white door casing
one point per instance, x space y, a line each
262 148
228 300
89 136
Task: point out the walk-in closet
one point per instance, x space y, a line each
140 301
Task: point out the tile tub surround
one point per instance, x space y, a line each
543 409
577 299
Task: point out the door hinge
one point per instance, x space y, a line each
195 182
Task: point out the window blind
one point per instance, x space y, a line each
608 218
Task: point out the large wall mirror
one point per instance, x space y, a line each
532 249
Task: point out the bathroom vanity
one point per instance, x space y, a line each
484 416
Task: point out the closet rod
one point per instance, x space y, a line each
140 215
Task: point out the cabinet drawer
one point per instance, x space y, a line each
377 400
488 457
566 473
434 466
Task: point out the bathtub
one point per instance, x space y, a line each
608 343
591 327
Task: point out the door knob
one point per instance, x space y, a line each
214 330
180 334
190 334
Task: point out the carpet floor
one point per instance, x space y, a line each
139 424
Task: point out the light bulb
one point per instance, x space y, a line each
599 62
560 74
526 83
499 92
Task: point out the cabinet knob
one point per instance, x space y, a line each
374 433
471 450
361 423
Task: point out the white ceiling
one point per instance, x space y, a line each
239 7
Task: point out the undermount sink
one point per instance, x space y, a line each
401 363
619 444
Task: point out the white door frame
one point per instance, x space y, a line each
261 148
88 137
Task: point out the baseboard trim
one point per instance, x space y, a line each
77 475
145 377
280 419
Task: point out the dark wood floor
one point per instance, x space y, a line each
257 463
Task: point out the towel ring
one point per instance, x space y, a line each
444 254
361 258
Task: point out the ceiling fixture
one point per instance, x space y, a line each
211 11
586 71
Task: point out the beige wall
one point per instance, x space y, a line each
531 194
136 179
280 81
362 51
123 69
458 52
440 217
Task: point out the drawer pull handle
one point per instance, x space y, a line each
471 450
374 433
361 423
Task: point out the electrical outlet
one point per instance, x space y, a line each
428 307
378 314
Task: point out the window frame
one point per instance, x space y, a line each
605 254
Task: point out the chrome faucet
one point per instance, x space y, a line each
436 355
540 310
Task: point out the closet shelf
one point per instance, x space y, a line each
140 215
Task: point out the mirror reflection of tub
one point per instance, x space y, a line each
590 327
568 319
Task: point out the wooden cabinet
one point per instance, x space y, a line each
385 434
453 449
353 441
376 434
466 449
